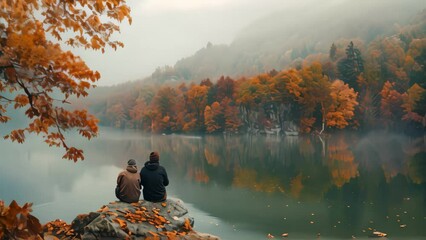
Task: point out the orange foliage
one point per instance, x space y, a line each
341 162
315 91
343 105
410 98
232 120
247 178
391 103
296 185
306 124
212 115
198 175
244 178
196 101
211 157
60 229
17 222
35 67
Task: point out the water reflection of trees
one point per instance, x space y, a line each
341 161
296 167
348 182
291 165
348 170
288 165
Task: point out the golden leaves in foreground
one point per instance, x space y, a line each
141 215
17 222
60 229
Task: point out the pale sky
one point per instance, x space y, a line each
165 31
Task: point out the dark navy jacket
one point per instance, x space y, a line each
154 181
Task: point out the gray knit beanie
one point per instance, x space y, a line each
131 162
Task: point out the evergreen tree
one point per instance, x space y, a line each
351 66
333 51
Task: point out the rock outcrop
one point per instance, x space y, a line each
119 220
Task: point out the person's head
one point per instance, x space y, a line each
131 162
154 157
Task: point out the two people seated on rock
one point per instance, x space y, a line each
153 178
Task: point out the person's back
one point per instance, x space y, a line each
128 184
154 179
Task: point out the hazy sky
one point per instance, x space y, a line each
164 31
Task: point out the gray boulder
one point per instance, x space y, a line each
142 220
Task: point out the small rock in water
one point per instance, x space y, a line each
402 225
284 235
270 235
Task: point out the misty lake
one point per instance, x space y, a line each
240 187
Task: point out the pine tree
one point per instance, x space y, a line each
351 66
333 52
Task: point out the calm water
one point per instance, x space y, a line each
241 187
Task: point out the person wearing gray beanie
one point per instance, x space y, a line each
128 187
131 162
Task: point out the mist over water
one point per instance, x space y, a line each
240 187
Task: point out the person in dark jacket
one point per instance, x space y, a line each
154 179
129 184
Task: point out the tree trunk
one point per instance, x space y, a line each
322 130
323 118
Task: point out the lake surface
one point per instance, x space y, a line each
240 187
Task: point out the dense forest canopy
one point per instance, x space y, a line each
357 84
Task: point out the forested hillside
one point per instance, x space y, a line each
356 84
282 39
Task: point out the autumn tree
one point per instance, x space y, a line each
165 103
264 98
225 88
415 62
391 104
116 115
213 117
254 97
420 108
247 102
136 113
410 99
231 115
38 76
286 91
389 60
195 102
342 106
315 95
